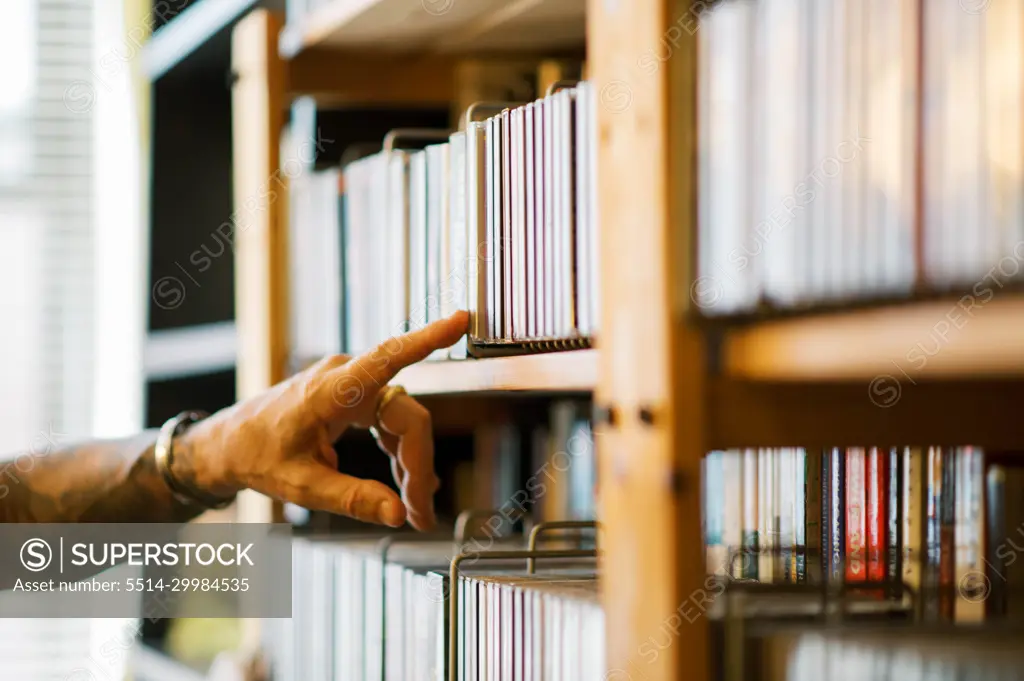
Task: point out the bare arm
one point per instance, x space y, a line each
279 443
103 481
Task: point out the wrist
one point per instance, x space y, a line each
191 465
198 465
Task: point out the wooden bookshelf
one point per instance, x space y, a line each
918 341
647 376
440 26
668 390
573 371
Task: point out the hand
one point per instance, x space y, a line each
280 443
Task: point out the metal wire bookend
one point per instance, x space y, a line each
541 528
453 591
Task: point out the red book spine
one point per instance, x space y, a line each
876 514
855 517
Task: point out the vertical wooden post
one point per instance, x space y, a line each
652 373
258 105
258 102
260 211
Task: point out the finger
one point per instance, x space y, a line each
410 421
389 444
380 365
321 489
398 473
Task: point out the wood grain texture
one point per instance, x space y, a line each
983 413
260 199
975 336
440 26
649 471
368 79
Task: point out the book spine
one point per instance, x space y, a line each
505 226
516 236
798 504
876 519
342 288
893 554
415 310
947 535
732 513
812 555
837 517
784 495
529 214
749 563
766 516
932 496
495 246
995 511
856 526
914 521
714 520
970 589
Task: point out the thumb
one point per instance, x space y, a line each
319 488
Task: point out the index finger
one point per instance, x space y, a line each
381 364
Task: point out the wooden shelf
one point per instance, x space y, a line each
440 26
983 413
907 343
573 371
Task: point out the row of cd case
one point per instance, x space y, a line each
364 613
499 218
858 150
360 614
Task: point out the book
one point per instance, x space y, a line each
969 534
894 520
876 520
813 518
837 531
914 526
856 515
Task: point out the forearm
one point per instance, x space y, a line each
103 481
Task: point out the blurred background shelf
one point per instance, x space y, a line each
440 26
200 34
919 341
572 371
190 351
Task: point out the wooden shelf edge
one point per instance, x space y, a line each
346 76
970 337
983 413
572 371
